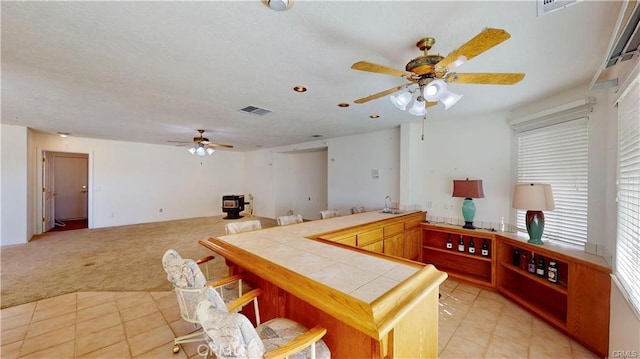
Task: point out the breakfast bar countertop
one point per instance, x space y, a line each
373 303
355 273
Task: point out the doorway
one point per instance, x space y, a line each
65 190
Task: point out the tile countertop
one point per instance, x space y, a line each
357 274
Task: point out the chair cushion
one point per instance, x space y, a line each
290 219
244 226
279 331
229 335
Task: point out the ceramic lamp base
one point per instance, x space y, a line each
535 226
468 212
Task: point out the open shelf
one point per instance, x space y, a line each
560 287
463 254
532 293
461 265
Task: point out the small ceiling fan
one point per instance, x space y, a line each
202 145
431 73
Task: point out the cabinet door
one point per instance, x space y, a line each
375 246
412 244
394 245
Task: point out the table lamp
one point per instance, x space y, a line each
468 189
535 198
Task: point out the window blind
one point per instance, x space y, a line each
558 155
627 257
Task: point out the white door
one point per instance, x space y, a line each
48 191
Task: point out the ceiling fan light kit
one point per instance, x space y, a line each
202 146
431 73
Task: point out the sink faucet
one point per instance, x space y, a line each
386 205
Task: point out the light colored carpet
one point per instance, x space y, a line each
125 258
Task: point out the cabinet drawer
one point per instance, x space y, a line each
413 222
368 237
393 229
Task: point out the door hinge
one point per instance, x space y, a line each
44 159
44 219
43 190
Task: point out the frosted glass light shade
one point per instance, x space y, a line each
418 108
192 150
434 90
402 100
200 151
210 150
449 99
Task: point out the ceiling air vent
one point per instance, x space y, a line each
255 110
547 6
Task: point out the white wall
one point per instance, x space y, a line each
476 148
351 162
301 183
130 182
13 182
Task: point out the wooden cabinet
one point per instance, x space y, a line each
578 304
397 236
471 267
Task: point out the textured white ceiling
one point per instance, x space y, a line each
157 71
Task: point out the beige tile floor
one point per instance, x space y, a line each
474 323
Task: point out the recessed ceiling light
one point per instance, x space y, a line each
63 134
374 116
299 89
278 5
343 104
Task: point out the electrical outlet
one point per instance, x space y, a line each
161 210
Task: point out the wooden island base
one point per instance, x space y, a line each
373 305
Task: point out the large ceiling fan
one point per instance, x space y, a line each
202 145
431 73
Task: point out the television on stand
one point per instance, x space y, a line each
232 205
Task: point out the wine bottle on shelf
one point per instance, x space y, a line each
540 270
523 260
472 246
516 257
485 248
532 264
552 272
449 243
460 244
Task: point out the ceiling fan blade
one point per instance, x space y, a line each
172 141
482 42
218 145
485 78
382 93
371 67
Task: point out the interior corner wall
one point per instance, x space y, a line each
13 182
260 181
301 183
363 170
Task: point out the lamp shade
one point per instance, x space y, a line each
418 108
468 188
533 197
401 100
